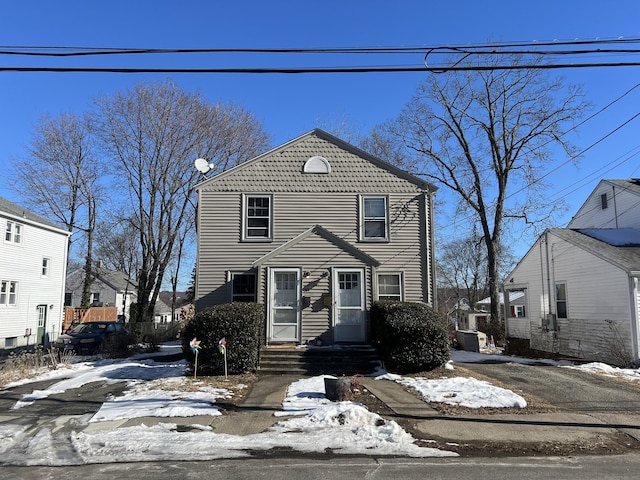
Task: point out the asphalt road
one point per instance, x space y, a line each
610 467
566 388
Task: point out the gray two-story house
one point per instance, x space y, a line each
315 230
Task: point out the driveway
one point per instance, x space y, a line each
566 388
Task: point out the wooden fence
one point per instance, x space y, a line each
74 316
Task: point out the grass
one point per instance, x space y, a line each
31 363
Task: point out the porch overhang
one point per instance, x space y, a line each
328 236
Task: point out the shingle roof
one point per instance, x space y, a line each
281 170
626 258
119 281
633 185
18 211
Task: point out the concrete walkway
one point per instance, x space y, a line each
499 428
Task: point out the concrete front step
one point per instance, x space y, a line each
317 361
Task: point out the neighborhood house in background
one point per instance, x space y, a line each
33 259
111 291
581 282
315 230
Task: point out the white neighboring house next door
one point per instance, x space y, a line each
285 290
349 305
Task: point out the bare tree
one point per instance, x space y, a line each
153 133
117 246
462 268
486 135
59 179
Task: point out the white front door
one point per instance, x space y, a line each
284 304
349 305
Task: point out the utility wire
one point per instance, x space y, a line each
316 70
63 51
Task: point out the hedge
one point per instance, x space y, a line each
409 337
239 323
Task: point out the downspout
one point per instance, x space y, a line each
634 298
546 242
431 258
615 206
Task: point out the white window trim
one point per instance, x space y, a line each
565 300
401 278
245 199
46 267
7 293
14 229
362 237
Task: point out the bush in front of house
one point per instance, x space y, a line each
409 337
239 323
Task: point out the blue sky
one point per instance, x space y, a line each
290 105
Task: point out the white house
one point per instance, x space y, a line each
33 262
612 204
581 282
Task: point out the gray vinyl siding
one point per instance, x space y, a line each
221 249
316 256
316 226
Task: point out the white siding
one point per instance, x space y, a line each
623 208
597 300
23 263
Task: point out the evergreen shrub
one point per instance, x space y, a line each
239 323
409 337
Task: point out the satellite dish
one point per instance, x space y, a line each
203 166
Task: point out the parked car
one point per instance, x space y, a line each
88 338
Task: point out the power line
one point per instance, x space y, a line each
316 70
531 50
52 50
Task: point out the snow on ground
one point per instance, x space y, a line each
466 392
155 389
604 369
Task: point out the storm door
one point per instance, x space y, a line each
284 304
349 305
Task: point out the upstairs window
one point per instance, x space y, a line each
8 293
603 201
375 218
45 266
13 233
258 217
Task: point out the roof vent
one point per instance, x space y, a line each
317 164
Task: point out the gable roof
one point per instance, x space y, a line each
118 281
327 235
513 296
17 212
618 237
625 258
281 169
632 185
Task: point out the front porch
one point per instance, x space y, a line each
335 360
